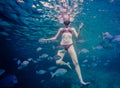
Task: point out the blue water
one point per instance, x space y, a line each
21 26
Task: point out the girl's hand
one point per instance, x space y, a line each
81 25
42 40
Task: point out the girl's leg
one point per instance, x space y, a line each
61 53
73 55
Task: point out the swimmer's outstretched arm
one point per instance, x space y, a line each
78 33
52 38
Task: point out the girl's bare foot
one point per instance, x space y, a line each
68 64
85 83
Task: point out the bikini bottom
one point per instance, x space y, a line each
66 47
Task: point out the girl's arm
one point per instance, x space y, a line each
52 38
78 33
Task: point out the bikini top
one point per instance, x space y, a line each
64 30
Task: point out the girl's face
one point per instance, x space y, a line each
66 23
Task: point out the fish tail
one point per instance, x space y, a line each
52 74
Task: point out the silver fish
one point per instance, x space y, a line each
41 72
59 72
2 71
52 68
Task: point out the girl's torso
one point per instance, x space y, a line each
66 36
